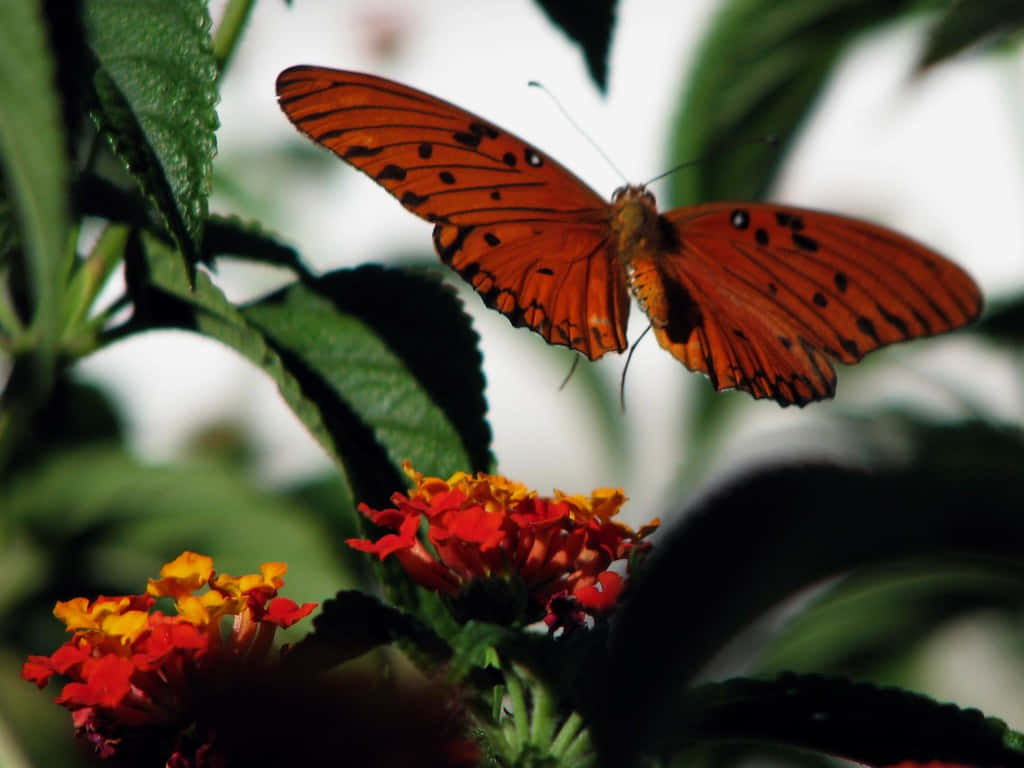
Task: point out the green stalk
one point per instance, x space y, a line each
225 40
570 728
91 276
520 712
545 710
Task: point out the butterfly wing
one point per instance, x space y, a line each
523 230
760 297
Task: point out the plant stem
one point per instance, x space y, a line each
520 712
545 710
229 31
568 731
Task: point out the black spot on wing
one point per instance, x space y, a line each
425 150
391 172
447 177
804 243
492 239
841 282
533 157
545 271
509 159
467 139
412 200
819 299
865 326
761 236
851 348
684 315
739 218
358 151
895 321
495 195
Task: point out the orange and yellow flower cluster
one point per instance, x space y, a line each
483 526
130 665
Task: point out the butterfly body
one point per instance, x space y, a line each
757 296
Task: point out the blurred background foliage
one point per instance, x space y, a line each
874 571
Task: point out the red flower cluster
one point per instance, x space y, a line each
485 527
131 666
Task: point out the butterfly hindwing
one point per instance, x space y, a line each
556 278
778 289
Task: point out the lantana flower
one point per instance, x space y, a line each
469 530
133 670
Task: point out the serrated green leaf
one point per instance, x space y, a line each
33 157
407 368
860 722
969 23
232 236
765 536
169 301
368 379
758 72
155 81
591 30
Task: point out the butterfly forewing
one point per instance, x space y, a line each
779 288
442 163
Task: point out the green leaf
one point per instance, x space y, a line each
758 73
751 544
591 30
870 624
104 522
970 23
369 379
1004 322
859 722
155 81
34 167
232 236
407 369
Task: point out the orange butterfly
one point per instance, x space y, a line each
756 296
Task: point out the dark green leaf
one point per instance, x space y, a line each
353 623
369 378
34 167
406 369
972 23
1004 322
231 236
758 72
860 722
590 27
760 539
155 81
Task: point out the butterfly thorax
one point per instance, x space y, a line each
642 239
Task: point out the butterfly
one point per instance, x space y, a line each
756 296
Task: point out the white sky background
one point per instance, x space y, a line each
940 159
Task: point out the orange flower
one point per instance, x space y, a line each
484 528
131 666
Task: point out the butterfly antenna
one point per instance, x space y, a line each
574 124
572 370
771 141
622 381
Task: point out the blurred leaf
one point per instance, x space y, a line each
971 23
34 168
1004 322
105 523
757 74
871 622
590 29
156 83
749 545
860 722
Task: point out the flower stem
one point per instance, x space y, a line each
229 31
570 728
520 712
545 710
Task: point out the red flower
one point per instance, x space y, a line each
132 668
484 527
